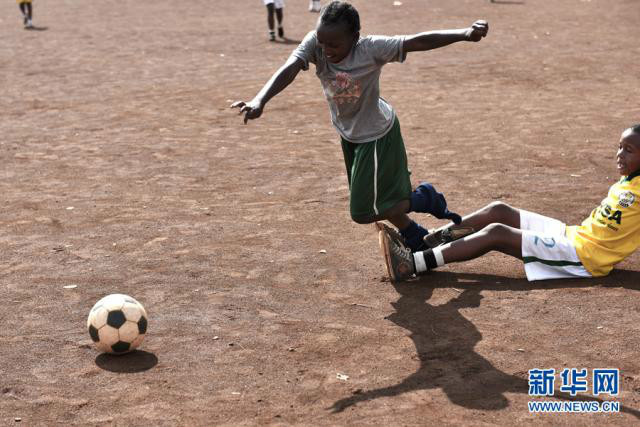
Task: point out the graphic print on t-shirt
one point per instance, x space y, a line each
344 89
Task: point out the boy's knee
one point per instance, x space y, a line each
498 232
500 211
503 238
498 206
362 219
496 229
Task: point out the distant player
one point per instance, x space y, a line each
549 248
314 6
275 7
27 13
349 67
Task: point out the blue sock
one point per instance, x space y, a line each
426 199
413 235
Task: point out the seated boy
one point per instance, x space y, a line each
549 248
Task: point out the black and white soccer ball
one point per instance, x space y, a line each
117 324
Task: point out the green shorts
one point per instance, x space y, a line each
378 174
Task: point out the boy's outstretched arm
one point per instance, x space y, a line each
435 39
276 84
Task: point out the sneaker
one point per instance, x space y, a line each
393 233
446 235
281 32
29 24
398 258
272 36
25 20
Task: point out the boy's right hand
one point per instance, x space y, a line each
252 109
477 31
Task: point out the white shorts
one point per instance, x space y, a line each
278 4
547 253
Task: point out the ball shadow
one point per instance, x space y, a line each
136 361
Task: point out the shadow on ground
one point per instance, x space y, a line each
136 361
449 361
287 41
507 2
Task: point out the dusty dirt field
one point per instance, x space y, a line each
123 170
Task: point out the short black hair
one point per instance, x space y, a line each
635 129
341 12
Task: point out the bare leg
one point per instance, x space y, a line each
412 233
496 212
270 20
280 16
396 215
494 237
23 10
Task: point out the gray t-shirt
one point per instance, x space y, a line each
352 86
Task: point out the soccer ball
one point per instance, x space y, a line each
117 324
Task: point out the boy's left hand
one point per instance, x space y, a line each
477 31
252 109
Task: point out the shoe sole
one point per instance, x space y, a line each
460 232
381 226
435 239
386 237
384 247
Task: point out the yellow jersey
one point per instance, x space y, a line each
612 231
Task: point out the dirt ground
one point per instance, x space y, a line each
124 171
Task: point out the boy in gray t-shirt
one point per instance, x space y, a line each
348 67
352 86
